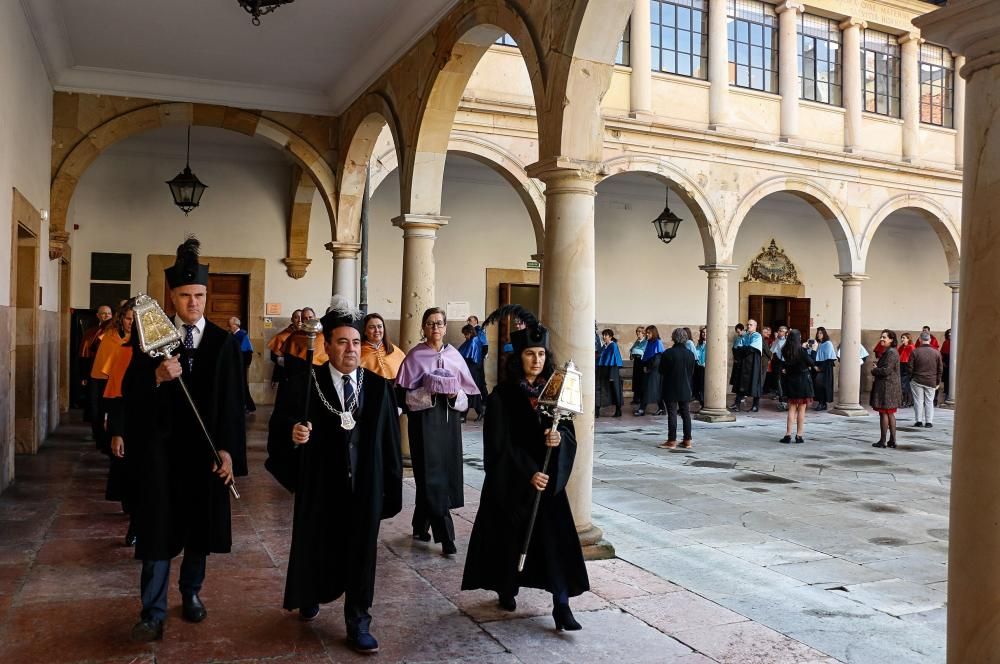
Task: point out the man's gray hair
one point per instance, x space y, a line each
238 322
925 337
678 336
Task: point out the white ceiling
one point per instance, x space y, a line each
312 56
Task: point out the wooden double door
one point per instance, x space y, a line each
775 311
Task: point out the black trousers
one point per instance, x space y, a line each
673 408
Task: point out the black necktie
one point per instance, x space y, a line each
189 344
348 392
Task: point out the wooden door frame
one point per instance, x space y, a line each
24 217
748 288
494 277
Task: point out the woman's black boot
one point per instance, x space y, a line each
564 618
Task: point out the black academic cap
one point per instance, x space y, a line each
341 313
186 270
534 334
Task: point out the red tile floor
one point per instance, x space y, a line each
68 590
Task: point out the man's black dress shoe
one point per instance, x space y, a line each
422 537
448 548
362 641
564 618
130 538
308 613
919 424
928 425
147 630
507 602
194 611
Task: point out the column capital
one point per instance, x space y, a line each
971 28
556 168
716 269
790 6
851 278
420 225
913 36
58 243
953 285
852 22
343 249
296 267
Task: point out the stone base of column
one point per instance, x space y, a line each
849 410
713 415
595 547
950 403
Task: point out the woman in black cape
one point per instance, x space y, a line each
515 439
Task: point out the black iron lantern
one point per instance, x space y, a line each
666 224
257 8
186 188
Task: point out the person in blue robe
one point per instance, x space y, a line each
748 356
700 350
246 350
649 373
609 379
826 358
472 351
734 375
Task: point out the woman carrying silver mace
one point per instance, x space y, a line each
524 534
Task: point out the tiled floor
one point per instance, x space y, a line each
740 551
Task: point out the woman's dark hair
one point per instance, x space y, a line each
119 320
385 332
608 332
514 373
652 328
687 331
430 312
826 335
892 337
702 331
792 351
740 327
468 329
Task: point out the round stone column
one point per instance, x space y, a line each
641 79
958 113
910 102
788 67
718 64
853 99
345 269
849 391
419 234
972 28
717 350
569 311
953 356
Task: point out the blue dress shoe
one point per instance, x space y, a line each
145 631
308 613
362 641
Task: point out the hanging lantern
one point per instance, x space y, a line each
257 8
666 224
186 188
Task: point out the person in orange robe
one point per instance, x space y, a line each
276 346
85 362
378 354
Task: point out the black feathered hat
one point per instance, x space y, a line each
186 270
342 313
534 334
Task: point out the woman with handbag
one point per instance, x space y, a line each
436 384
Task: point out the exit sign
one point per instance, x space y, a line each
534 265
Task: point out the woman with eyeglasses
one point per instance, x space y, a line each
435 386
887 392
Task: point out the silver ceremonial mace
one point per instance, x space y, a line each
312 328
158 337
561 399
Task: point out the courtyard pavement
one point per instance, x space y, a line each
741 550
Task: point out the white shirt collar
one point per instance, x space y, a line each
199 326
338 377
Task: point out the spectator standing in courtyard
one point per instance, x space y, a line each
635 354
650 375
609 378
905 349
933 340
676 372
797 379
946 360
750 366
734 375
826 358
780 338
886 390
246 350
700 350
926 367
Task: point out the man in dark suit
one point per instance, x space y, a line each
677 370
181 495
342 460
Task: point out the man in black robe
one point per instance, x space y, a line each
181 496
342 460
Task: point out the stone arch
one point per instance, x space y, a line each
820 199
363 125
936 215
680 183
461 44
136 121
501 161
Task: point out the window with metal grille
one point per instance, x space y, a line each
937 86
623 56
110 279
506 40
753 45
880 73
820 60
679 37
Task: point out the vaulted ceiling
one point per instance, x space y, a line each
312 56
